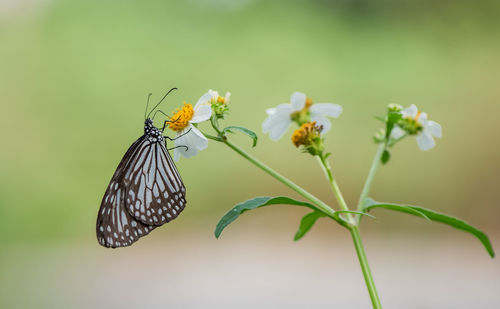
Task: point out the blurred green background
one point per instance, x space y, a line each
74 76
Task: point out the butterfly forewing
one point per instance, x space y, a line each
156 194
145 191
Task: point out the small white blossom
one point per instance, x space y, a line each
189 140
280 118
427 129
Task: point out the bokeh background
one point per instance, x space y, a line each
74 76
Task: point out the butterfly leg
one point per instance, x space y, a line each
187 148
167 121
173 139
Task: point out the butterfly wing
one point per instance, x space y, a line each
156 194
115 227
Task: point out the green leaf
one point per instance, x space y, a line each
248 132
256 202
354 212
385 156
307 223
434 216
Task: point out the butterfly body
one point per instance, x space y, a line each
146 191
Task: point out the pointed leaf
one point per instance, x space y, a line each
256 202
385 156
434 216
354 212
307 223
243 130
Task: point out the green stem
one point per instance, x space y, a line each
371 175
353 228
363 262
320 204
333 184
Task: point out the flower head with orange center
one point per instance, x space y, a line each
415 122
308 136
181 118
189 139
300 110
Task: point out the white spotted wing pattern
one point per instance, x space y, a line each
156 194
145 191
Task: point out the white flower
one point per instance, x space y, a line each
280 118
189 140
427 129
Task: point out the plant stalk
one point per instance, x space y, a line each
320 204
335 188
353 227
363 262
371 175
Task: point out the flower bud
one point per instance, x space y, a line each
396 108
379 136
220 105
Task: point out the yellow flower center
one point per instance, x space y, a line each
302 135
418 115
309 102
180 119
303 115
220 100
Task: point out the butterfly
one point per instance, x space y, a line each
146 190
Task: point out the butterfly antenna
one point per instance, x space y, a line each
161 101
147 103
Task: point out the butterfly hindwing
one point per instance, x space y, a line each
115 226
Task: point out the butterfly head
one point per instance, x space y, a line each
152 132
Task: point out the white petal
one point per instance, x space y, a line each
271 111
327 109
205 98
181 142
227 97
194 141
397 132
202 112
197 139
422 118
425 141
278 129
213 93
321 121
203 108
434 128
298 100
177 154
411 111
278 114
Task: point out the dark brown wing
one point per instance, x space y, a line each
156 194
115 227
